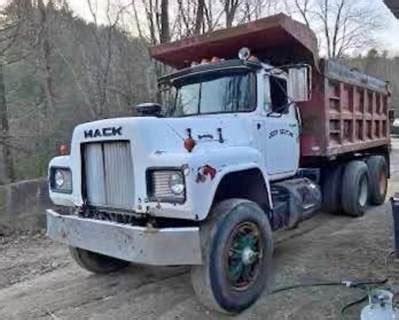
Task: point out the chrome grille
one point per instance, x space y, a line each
108 173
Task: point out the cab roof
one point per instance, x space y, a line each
220 66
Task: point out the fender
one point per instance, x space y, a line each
224 161
244 167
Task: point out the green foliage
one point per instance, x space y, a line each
380 65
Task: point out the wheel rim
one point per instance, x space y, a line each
244 251
383 182
363 192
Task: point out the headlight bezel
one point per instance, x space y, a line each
67 175
153 186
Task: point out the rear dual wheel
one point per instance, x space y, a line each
332 187
350 188
378 178
355 188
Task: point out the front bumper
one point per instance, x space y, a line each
143 245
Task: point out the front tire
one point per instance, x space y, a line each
237 256
95 262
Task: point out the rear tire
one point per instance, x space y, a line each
237 254
332 187
95 262
378 179
355 188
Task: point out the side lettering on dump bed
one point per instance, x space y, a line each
104 132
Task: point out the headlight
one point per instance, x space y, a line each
176 183
61 180
166 185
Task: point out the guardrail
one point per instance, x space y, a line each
23 204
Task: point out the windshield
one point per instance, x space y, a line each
215 93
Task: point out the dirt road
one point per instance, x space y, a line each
38 279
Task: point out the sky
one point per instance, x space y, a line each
387 38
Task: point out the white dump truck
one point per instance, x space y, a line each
258 134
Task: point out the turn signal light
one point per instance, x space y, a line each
189 144
63 150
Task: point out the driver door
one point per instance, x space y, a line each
281 129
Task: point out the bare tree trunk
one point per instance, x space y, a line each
230 9
303 11
46 51
325 19
47 118
164 32
199 19
337 29
7 153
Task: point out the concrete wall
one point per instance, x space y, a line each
23 204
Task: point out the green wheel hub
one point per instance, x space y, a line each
244 251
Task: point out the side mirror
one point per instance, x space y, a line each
300 83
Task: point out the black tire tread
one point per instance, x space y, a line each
95 262
350 188
375 165
200 274
332 187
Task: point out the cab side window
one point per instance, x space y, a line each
278 94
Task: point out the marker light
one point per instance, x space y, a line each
244 53
189 144
63 150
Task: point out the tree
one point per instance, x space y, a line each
6 141
157 20
230 9
13 18
342 26
199 19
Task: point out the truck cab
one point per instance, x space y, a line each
254 93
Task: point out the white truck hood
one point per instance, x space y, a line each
151 134
157 143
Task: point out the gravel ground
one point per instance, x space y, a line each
38 279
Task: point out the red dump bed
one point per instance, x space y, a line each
277 39
349 111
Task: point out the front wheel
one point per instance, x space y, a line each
237 256
95 262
